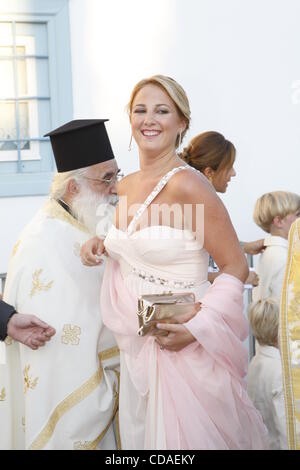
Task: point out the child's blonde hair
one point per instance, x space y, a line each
264 319
270 205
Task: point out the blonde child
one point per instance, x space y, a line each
265 386
274 212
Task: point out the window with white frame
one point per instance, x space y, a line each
31 81
23 63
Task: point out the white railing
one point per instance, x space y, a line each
250 260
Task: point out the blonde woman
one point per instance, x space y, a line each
185 390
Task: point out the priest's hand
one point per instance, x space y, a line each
91 251
29 330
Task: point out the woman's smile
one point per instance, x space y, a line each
150 132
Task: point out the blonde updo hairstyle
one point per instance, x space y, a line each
209 150
276 203
174 91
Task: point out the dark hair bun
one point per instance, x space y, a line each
185 155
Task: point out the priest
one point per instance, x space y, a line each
65 395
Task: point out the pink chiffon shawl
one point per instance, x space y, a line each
205 403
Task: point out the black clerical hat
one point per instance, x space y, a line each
80 143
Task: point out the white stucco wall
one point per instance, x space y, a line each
239 63
237 60
15 214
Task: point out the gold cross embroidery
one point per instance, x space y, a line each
29 383
37 285
2 394
71 335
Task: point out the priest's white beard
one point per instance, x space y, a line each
95 211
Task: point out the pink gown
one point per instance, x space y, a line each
195 398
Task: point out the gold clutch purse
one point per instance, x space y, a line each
165 308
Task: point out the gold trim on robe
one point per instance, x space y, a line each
73 399
109 353
55 211
95 443
66 405
290 338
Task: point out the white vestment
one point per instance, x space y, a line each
64 395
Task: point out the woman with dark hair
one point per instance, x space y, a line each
213 155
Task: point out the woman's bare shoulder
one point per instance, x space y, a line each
191 185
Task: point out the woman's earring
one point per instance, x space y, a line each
130 144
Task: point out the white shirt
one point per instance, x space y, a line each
265 389
271 268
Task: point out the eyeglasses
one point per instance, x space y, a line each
108 181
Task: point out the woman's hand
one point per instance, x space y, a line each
178 336
91 251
